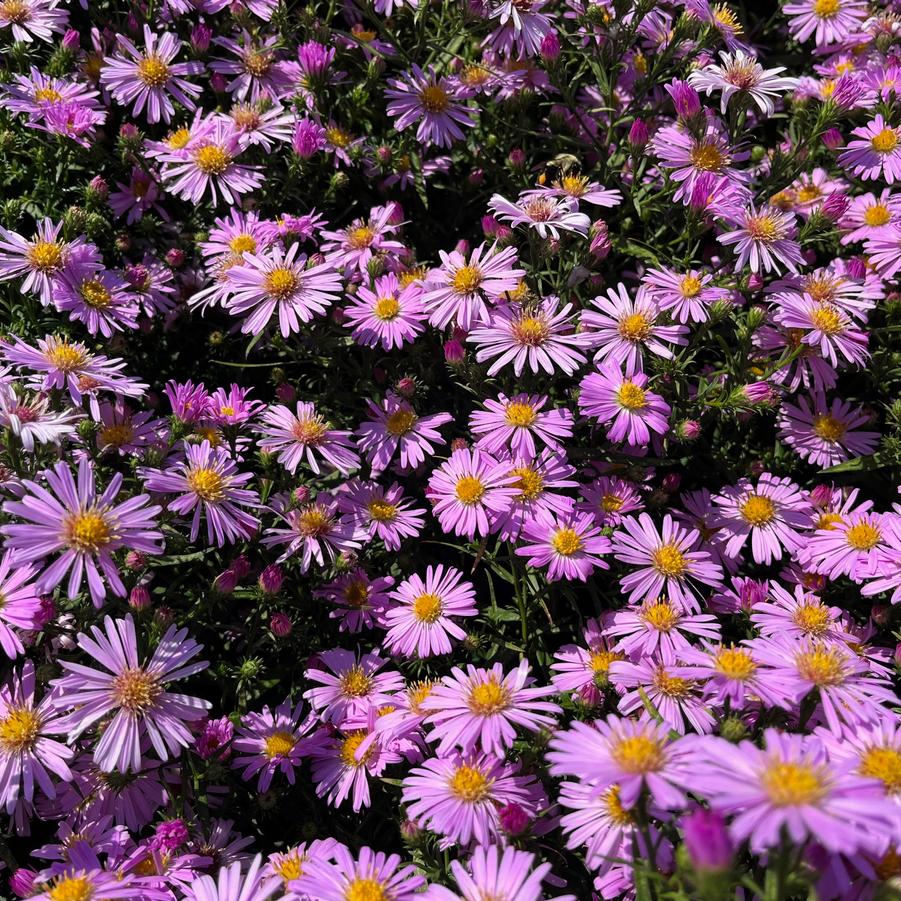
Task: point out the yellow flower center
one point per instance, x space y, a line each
792 784
876 215
386 309
279 744
116 435
47 94
349 748
671 686
466 279
531 331
823 666
883 764
707 157
735 663
690 286
382 511
15 11
827 320
862 536
314 521
72 888
153 72
136 690
355 683
610 503
290 867
427 607
519 415
88 531
417 693
668 560
829 428
212 159
660 615
243 244
489 697
566 542
574 185
758 510
19 730
470 785
45 256
638 754
726 19
885 142
356 593
828 521
764 228
360 238
615 809
635 327
310 430
400 422
529 482
599 661
338 136
363 889
281 283
826 9
178 139
813 619
257 62
95 294
630 396
808 193
434 98
206 483
469 490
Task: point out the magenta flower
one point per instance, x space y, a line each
732 674
208 483
658 626
386 315
361 601
741 74
800 614
30 19
546 214
852 544
420 622
765 239
623 401
21 608
149 78
371 876
352 248
685 297
482 708
304 436
571 545
469 488
134 694
314 531
514 423
876 153
827 327
100 300
40 259
609 499
84 529
430 101
584 668
381 512
868 214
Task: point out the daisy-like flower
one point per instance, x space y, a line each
481 708
30 419
584 669
305 436
670 561
40 259
770 513
30 19
765 239
515 422
314 531
609 499
28 756
633 755
731 674
826 326
571 545
868 214
624 327
361 601
149 78
421 621
874 750
381 512
352 248
134 694
548 215
624 402
232 884
271 742
396 426
385 315
468 488
209 164
239 233
826 434
883 250
101 300
493 872
658 626
578 187
208 483
81 526
81 876
461 289
430 101
372 876
349 687
685 297
742 74
21 608
280 283
790 784
827 21
876 153
801 614
459 798
854 545
541 336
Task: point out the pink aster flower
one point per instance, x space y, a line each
30 19
385 315
361 601
546 214
790 784
397 427
827 22
28 756
381 512
468 488
741 74
800 614
827 326
430 101
853 544
40 259
634 755
771 514
826 434
686 297
570 545
134 694
257 71
30 419
515 423
149 78
305 436
85 529
82 874
232 884
732 675
623 401
542 336
352 248
208 483
482 708
314 531
658 626
876 153
459 797
461 289
609 499
765 239
578 187
421 621
101 300
21 609
280 283
883 250
669 561
371 875
868 214
270 742
584 668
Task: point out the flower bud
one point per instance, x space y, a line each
685 98
175 257
406 387
280 624
514 819
201 35
98 187
128 131
308 138
225 582
517 159
135 560
22 882
286 393
454 352
240 566
821 495
832 139
707 841
550 47
688 430
881 614
601 244
139 598
164 616
459 444
271 579
170 835
302 495
71 40
46 613
638 135
671 482
218 82
856 268
835 206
